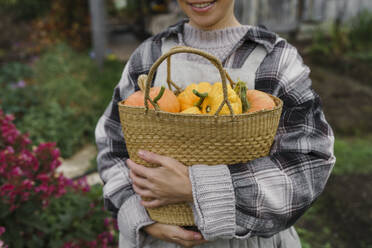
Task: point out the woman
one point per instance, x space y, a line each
258 201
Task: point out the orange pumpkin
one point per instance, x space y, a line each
168 101
258 100
253 100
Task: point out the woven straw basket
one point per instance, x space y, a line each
195 139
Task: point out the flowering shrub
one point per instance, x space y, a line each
40 208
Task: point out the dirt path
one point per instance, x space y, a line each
78 164
347 103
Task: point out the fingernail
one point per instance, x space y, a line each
141 153
197 236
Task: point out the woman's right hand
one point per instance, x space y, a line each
175 234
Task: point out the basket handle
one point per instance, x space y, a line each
184 49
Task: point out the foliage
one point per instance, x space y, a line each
67 21
40 208
14 72
24 9
353 156
360 32
63 113
62 100
15 93
353 40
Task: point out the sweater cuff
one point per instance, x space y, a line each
214 201
117 187
132 217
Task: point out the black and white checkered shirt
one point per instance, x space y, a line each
272 192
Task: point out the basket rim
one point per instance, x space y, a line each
278 101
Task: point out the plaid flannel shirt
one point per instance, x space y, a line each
272 192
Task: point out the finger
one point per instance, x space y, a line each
153 203
138 169
143 192
139 181
153 158
186 235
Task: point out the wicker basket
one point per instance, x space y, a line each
195 139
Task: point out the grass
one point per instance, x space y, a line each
353 156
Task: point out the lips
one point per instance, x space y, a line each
202 6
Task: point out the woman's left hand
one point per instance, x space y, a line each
167 184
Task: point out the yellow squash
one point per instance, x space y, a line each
192 110
188 99
215 98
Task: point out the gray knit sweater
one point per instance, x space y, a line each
217 42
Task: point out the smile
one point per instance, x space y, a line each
202 6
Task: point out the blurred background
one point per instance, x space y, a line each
61 59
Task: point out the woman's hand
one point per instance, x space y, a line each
175 234
163 185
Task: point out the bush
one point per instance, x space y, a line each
15 93
40 208
352 40
360 31
62 100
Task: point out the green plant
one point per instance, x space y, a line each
353 156
55 123
360 31
78 219
14 72
16 93
60 97
353 39
66 98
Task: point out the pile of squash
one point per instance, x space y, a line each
205 98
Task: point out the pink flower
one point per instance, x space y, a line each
27 183
42 188
106 222
6 187
2 245
2 230
16 172
43 177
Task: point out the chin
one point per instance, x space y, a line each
204 23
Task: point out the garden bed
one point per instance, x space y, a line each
342 216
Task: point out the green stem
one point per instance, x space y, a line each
157 98
241 90
243 98
201 96
161 92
